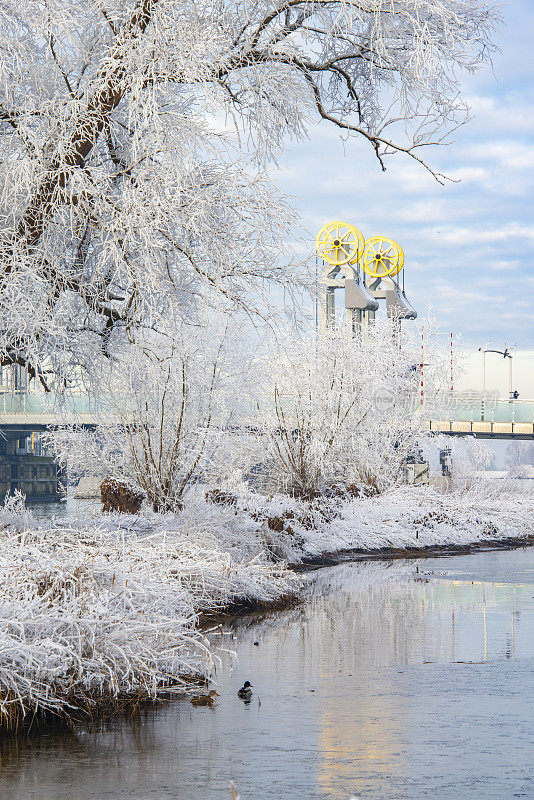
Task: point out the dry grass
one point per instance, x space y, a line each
99 618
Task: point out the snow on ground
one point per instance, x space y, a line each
107 606
421 517
407 516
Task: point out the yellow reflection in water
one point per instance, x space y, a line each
362 724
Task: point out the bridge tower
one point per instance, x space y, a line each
366 270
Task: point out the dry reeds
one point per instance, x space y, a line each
98 617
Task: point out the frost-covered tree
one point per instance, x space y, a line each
520 459
171 404
131 132
346 411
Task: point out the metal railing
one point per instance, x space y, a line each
521 411
455 408
28 403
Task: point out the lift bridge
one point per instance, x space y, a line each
368 271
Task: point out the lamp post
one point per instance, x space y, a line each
505 354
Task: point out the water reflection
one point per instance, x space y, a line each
393 680
70 507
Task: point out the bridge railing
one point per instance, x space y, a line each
487 411
455 408
29 403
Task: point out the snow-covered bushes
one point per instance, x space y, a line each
471 457
520 459
418 517
344 409
304 415
171 397
414 517
99 612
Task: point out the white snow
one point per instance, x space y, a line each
421 517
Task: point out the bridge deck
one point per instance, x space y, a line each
27 423
486 419
484 430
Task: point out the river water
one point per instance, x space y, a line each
394 680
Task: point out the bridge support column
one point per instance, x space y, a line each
35 475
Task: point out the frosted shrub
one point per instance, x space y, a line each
95 616
345 409
171 398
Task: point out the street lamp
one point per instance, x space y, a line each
505 354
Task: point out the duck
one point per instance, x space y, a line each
245 693
204 699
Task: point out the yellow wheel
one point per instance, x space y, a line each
381 257
339 243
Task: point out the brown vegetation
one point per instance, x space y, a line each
221 498
117 496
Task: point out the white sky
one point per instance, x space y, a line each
497 376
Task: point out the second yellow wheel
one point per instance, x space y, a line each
339 243
381 257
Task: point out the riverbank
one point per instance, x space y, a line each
409 520
103 610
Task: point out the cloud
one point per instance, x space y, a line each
509 113
472 174
511 154
504 266
473 236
